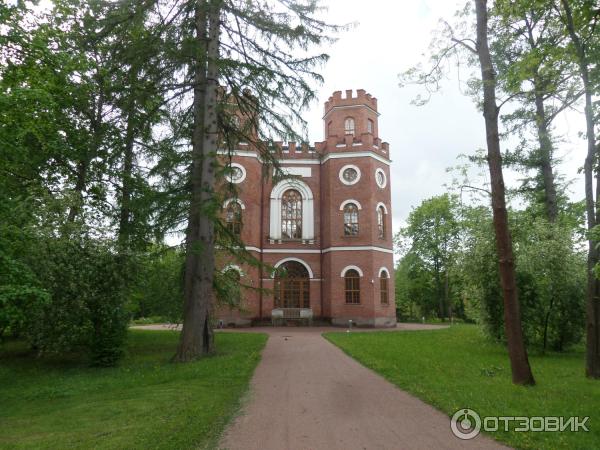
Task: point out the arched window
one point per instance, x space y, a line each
383 288
292 286
370 126
381 222
349 125
350 220
352 281
233 217
291 215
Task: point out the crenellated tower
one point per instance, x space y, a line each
356 214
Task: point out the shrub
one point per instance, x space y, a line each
85 280
21 298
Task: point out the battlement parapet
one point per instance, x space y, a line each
366 142
349 99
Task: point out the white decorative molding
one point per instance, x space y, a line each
279 263
345 202
350 106
384 207
242 178
379 170
308 220
333 155
235 267
341 174
347 268
311 279
327 250
379 158
304 172
384 269
236 200
290 250
358 248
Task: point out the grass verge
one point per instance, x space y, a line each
459 368
147 402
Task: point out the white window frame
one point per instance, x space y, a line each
242 168
283 261
341 174
384 184
347 130
308 218
347 268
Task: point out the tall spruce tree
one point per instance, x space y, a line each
254 57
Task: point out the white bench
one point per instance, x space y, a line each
280 315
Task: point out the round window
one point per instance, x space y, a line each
380 178
237 174
349 174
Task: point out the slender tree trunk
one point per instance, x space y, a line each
197 334
84 163
127 172
521 371
593 212
546 151
447 294
440 290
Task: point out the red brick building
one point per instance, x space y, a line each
330 227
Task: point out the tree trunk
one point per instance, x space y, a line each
521 371
593 286
127 172
546 151
84 163
197 334
440 290
447 301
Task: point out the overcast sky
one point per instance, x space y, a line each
390 37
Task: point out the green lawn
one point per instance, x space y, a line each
458 367
145 403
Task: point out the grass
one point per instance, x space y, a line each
146 402
459 368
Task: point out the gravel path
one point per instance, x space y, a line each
307 394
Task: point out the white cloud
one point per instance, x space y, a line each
391 37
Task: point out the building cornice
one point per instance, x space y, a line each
326 250
327 157
350 106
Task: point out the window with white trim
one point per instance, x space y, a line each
350 219
381 222
352 286
349 125
383 288
291 215
233 218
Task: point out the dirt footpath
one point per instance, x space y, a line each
307 394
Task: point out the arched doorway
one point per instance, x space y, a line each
292 286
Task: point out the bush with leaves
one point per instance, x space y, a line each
158 286
21 298
84 278
550 278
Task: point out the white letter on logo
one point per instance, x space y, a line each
552 424
487 426
524 421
